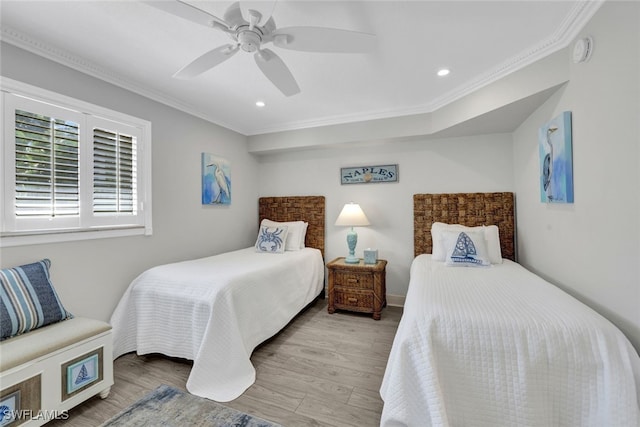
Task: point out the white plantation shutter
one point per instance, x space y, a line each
46 166
114 172
71 167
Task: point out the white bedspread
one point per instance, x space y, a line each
215 311
502 347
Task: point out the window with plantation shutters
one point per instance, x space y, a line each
47 166
114 172
72 170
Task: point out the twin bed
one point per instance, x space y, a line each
485 346
498 345
216 310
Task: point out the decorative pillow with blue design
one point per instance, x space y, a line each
271 239
491 237
466 249
28 299
297 231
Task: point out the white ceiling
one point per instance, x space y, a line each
140 47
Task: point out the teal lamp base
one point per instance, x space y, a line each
352 240
351 259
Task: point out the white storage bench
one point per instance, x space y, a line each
49 370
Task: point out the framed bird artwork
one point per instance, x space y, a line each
216 180
556 160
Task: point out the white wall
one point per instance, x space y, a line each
91 276
481 163
591 248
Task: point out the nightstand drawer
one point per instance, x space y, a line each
353 280
360 301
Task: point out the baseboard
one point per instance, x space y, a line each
395 300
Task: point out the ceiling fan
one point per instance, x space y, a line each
250 26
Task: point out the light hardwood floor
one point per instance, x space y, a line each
321 370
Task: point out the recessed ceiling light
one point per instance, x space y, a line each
260 104
443 72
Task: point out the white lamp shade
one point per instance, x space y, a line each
352 215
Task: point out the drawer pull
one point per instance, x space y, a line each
352 299
352 280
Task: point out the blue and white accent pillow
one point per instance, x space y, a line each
466 249
28 299
297 231
491 237
272 239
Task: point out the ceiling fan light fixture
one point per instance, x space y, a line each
249 40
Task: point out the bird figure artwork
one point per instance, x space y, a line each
221 180
547 166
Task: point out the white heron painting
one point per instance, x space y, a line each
556 160
216 180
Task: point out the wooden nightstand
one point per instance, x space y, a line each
357 287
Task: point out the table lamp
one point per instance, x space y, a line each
352 216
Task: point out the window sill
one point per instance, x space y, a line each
18 239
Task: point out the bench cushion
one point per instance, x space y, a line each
28 299
39 342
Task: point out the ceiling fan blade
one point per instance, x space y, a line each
257 12
277 71
233 15
188 12
207 61
327 40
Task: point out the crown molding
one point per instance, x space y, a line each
575 20
571 25
77 63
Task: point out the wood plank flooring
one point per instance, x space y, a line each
321 370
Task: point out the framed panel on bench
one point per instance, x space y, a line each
81 372
20 402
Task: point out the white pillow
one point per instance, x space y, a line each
466 248
271 239
304 234
491 234
296 234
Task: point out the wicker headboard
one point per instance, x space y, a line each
297 208
470 209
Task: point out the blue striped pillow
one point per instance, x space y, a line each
28 299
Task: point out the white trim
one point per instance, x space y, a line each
396 300
42 95
7 240
145 179
581 13
15 101
137 134
4 185
88 114
77 63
